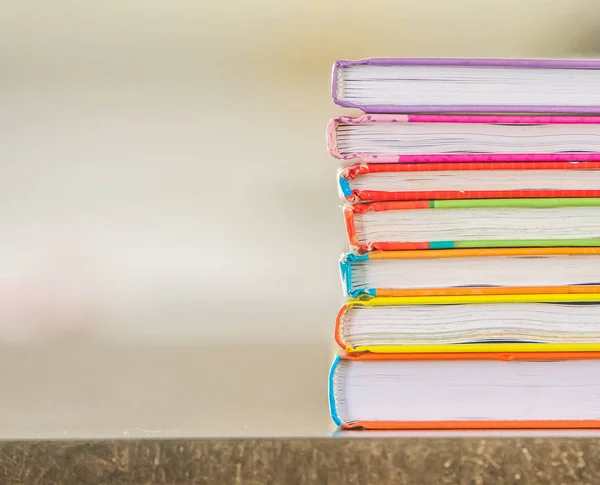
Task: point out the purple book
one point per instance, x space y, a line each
409 85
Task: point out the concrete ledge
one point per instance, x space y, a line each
302 461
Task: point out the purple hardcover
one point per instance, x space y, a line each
512 63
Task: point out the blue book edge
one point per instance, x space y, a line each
332 407
346 274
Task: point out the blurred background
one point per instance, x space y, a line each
169 218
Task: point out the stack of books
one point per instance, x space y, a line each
472 193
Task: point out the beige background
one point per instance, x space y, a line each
165 191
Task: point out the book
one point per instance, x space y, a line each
473 223
483 271
386 138
472 278
466 391
367 182
471 323
408 85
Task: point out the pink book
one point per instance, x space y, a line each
419 138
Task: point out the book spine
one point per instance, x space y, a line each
346 274
339 324
331 388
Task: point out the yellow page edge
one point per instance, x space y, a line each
465 299
479 347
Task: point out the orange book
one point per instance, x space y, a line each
466 391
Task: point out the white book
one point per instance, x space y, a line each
482 391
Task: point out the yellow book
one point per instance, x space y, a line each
471 323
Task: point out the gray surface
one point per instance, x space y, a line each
369 461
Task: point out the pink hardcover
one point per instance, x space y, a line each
462 157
